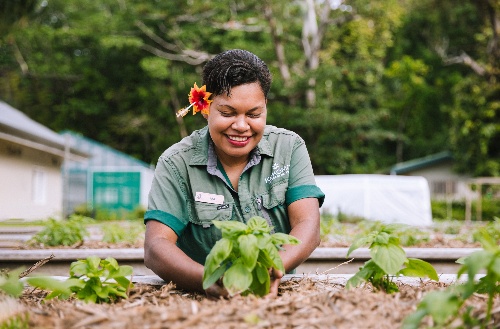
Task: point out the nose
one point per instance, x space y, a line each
240 123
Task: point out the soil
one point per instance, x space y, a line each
301 303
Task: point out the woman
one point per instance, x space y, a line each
235 168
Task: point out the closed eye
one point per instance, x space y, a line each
226 114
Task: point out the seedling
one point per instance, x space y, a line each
244 255
91 280
10 283
63 232
13 315
387 259
122 232
444 306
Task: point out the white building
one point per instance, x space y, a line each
31 156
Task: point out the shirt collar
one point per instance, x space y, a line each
204 151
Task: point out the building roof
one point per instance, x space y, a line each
18 128
419 163
102 156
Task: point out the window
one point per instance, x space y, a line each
444 187
39 187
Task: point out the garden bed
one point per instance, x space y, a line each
302 303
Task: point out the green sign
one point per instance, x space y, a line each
116 190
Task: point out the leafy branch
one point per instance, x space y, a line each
444 306
244 255
388 259
91 280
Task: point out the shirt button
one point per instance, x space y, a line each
247 209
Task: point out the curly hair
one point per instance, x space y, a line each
235 67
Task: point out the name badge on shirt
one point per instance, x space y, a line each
209 198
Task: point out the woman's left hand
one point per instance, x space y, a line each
276 276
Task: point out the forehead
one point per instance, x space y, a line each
250 91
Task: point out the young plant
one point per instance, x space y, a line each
91 280
10 283
13 315
387 259
244 255
444 306
63 232
122 232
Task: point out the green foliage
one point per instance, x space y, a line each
122 232
407 235
13 315
387 259
91 280
490 207
383 89
10 283
444 306
244 255
63 232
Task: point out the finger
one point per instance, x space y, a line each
273 288
277 273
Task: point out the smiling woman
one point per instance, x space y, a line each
235 168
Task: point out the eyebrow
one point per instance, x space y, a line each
234 109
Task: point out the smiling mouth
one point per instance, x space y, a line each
238 138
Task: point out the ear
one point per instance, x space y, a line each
205 116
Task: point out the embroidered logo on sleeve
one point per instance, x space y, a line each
209 198
277 172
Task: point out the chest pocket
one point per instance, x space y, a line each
207 212
275 197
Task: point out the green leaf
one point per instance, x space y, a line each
419 268
258 225
110 263
389 258
363 275
441 305
262 273
237 279
124 282
78 268
10 283
273 254
62 289
476 261
413 320
93 263
361 242
249 250
280 239
230 229
263 240
495 267
210 279
382 238
261 281
264 259
121 271
219 253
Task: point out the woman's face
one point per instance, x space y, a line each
236 122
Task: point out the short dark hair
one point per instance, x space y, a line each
235 67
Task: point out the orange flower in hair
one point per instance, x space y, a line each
198 99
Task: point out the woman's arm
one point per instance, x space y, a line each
304 220
169 262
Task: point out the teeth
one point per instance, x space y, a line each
238 139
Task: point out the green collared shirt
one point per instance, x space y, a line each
190 189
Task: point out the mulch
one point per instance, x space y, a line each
301 303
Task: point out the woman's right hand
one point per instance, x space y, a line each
216 291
